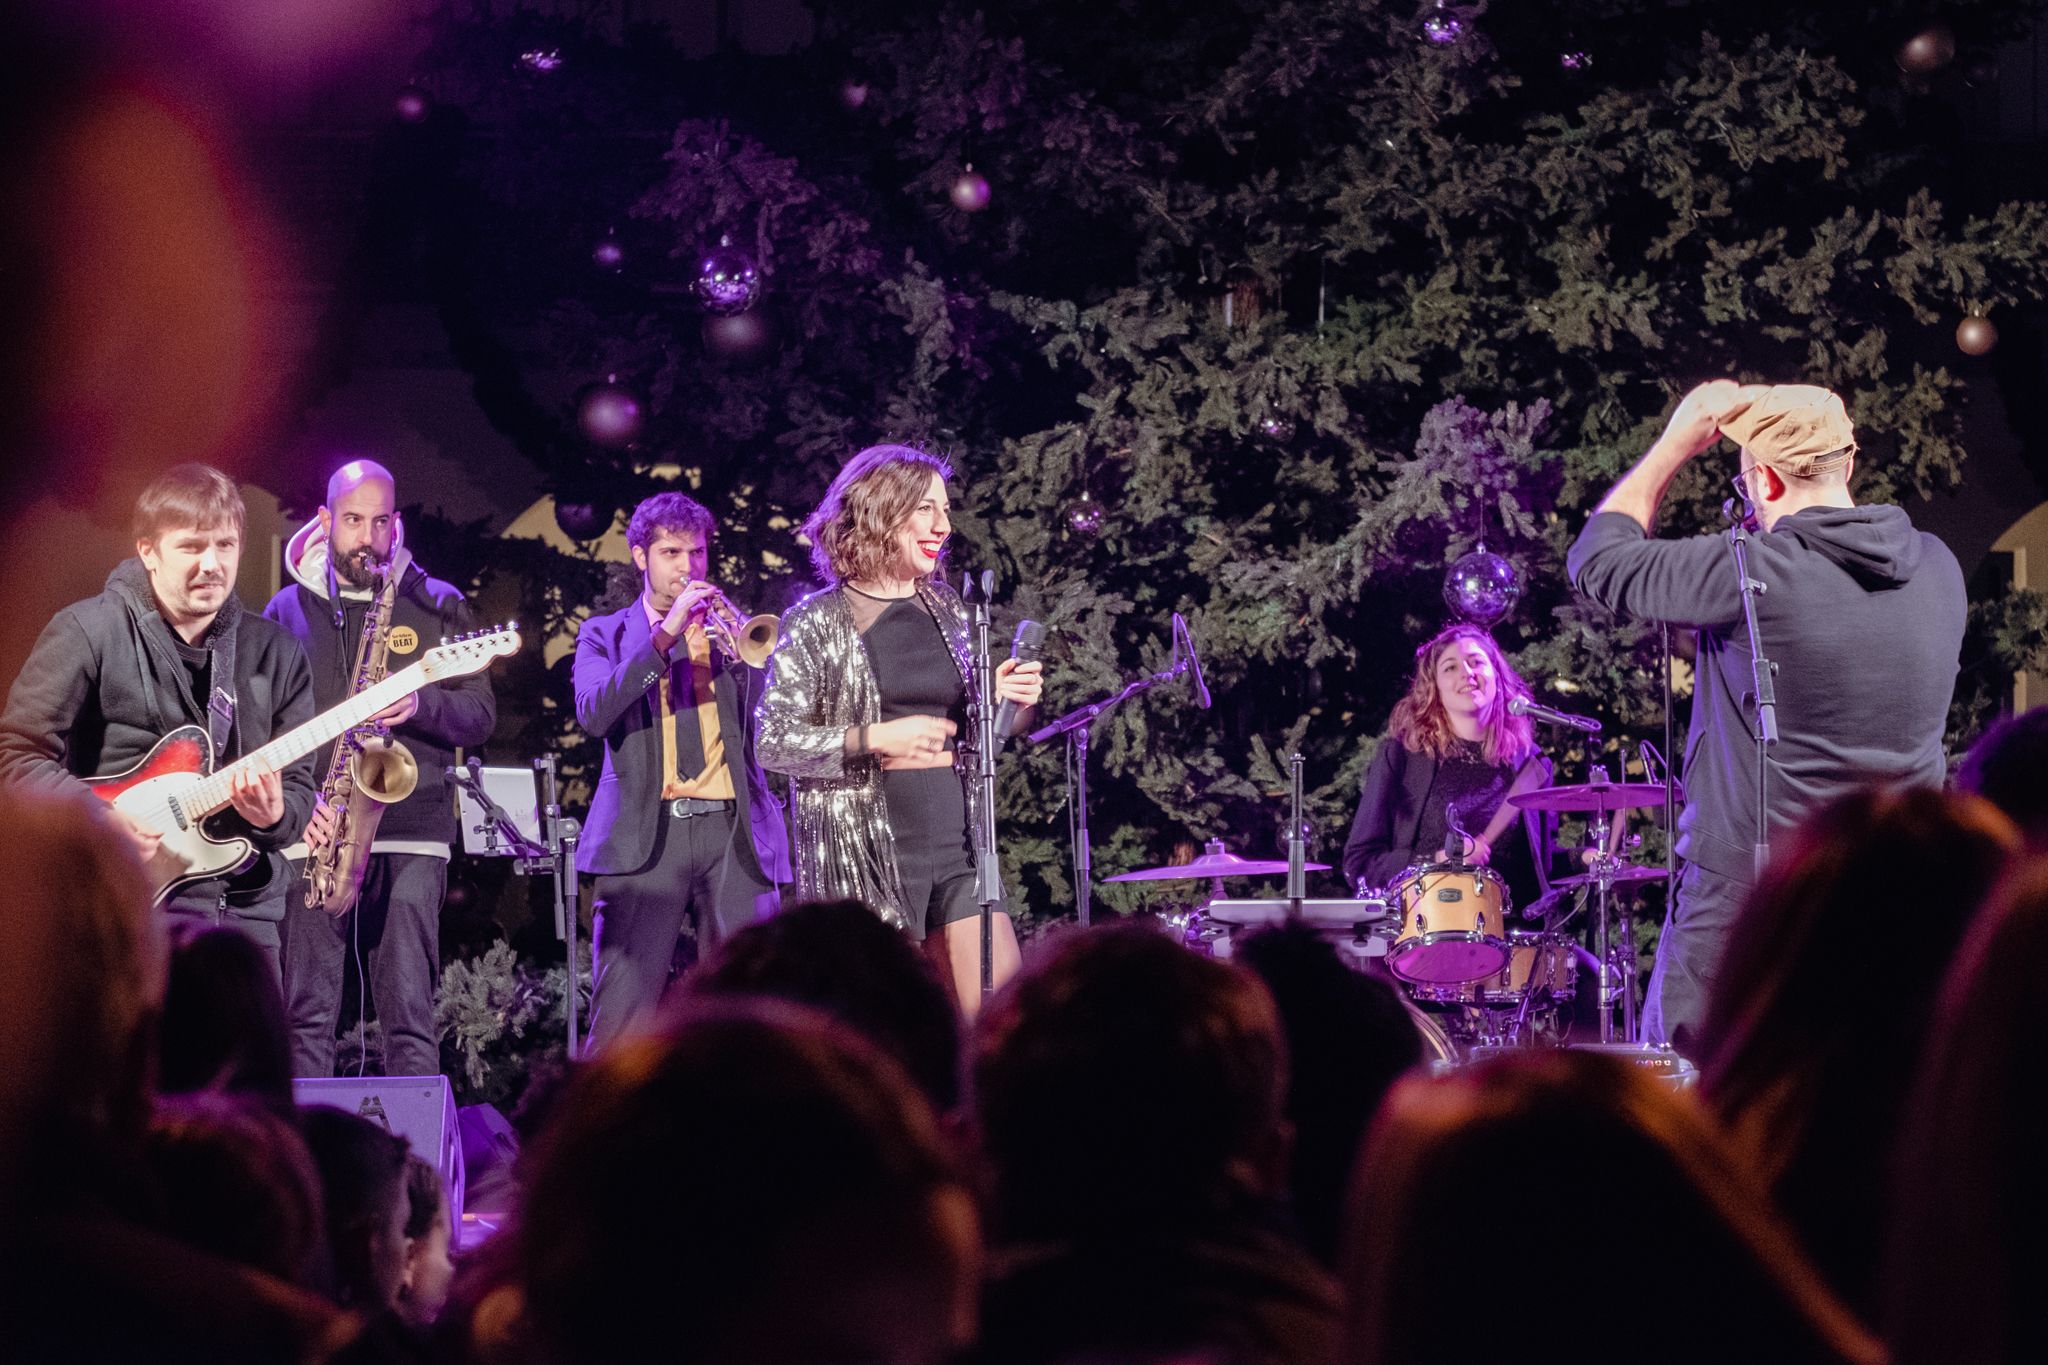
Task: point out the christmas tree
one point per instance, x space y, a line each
1259 313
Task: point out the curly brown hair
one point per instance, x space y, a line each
852 532
1421 723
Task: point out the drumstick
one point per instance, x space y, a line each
1527 780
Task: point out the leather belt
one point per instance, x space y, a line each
683 807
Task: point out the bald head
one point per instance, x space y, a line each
360 520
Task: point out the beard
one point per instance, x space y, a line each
359 568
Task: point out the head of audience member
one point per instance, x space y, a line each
2006 766
188 534
669 537
1965 1259
1348 1039
429 1238
1824 1001
884 517
234 1178
364 1203
1461 678
838 957
752 1183
89 1001
223 1020
1125 1082
360 518
1624 1191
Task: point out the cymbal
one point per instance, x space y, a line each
1588 797
1623 876
1214 865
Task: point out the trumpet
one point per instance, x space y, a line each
749 639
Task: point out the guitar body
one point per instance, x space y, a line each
147 793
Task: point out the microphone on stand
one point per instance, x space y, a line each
1534 710
1184 648
1024 648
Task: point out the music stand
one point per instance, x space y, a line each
516 813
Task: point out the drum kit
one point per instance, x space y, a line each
1446 932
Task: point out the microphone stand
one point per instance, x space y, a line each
1074 725
981 720
1763 673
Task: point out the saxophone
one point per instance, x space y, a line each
370 770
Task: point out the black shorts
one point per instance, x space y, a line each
934 858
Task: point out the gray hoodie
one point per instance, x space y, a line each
1863 616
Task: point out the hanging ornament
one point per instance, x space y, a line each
970 192
411 105
1575 59
1083 516
1927 51
740 337
1277 427
1975 335
541 60
1442 26
584 520
728 281
609 414
852 93
1481 587
608 254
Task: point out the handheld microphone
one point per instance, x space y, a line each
1024 648
1534 710
1185 649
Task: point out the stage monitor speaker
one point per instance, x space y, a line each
420 1109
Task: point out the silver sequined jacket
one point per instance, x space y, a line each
819 685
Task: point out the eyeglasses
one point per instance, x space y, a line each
1741 482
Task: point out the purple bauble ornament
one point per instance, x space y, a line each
970 192
610 415
411 106
1481 587
728 281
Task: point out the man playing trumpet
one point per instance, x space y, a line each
682 824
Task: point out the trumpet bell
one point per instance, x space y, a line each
756 640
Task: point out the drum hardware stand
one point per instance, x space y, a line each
981 720
1604 864
1075 726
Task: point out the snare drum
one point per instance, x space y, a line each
1543 963
1453 924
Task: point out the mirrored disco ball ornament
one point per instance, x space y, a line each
1442 27
609 414
541 60
1575 59
970 192
1084 516
1277 428
728 281
1481 587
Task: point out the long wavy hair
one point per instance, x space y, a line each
1421 723
853 530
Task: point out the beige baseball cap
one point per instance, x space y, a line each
1800 430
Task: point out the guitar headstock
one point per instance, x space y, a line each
467 654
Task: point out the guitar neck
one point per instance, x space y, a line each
213 792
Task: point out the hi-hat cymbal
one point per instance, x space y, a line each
1214 865
1622 876
1588 797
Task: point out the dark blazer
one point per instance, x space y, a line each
1389 818
616 671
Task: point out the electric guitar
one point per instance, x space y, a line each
174 788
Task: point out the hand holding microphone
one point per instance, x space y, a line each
1019 678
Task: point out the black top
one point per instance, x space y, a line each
1863 616
1401 820
1463 779
915 672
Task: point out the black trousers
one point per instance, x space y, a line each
696 873
395 927
1689 957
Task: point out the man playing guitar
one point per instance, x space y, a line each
167 644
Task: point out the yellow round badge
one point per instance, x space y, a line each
403 639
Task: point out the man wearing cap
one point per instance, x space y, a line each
1862 614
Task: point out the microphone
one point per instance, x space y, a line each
1184 648
1024 648
1745 518
1534 710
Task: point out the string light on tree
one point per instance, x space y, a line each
970 191
1976 335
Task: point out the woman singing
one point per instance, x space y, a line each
867 691
1451 756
